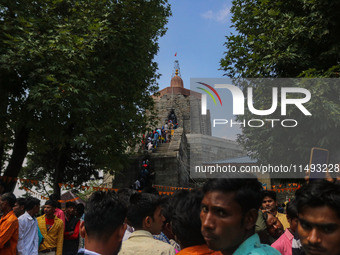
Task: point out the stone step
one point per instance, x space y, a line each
166 154
173 145
162 149
163 145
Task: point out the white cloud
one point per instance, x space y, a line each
208 15
220 16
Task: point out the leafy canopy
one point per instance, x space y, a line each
288 39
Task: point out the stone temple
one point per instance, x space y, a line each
191 142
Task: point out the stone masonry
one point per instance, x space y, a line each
192 141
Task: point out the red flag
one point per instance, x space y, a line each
176 54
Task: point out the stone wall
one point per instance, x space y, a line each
200 124
187 110
204 149
192 142
169 162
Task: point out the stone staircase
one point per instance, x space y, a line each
165 161
172 147
162 148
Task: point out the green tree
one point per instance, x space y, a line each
287 39
78 77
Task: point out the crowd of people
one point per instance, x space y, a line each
159 135
225 216
145 176
150 143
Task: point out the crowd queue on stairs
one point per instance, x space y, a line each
159 135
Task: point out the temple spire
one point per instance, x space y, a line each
176 71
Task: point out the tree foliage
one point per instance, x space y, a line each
287 39
77 77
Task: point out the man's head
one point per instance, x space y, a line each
19 206
70 209
7 202
103 226
167 211
80 210
292 215
32 206
124 196
274 226
145 213
55 197
186 222
318 206
229 211
269 201
49 208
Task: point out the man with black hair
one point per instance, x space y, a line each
8 225
103 226
284 243
71 233
269 204
186 223
318 205
52 229
124 197
146 217
19 206
80 210
167 234
229 210
28 242
58 212
273 230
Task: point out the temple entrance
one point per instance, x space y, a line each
172 117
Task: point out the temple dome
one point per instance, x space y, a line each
176 81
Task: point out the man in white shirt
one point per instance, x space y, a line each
147 219
28 242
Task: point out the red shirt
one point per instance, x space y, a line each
75 234
49 223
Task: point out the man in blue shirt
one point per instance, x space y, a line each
28 242
228 215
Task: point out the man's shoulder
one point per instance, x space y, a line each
263 249
11 218
41 217
25 217
284 242
252 246
83 251
58 222
145 243
162 244
143 239
283 218
281 214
